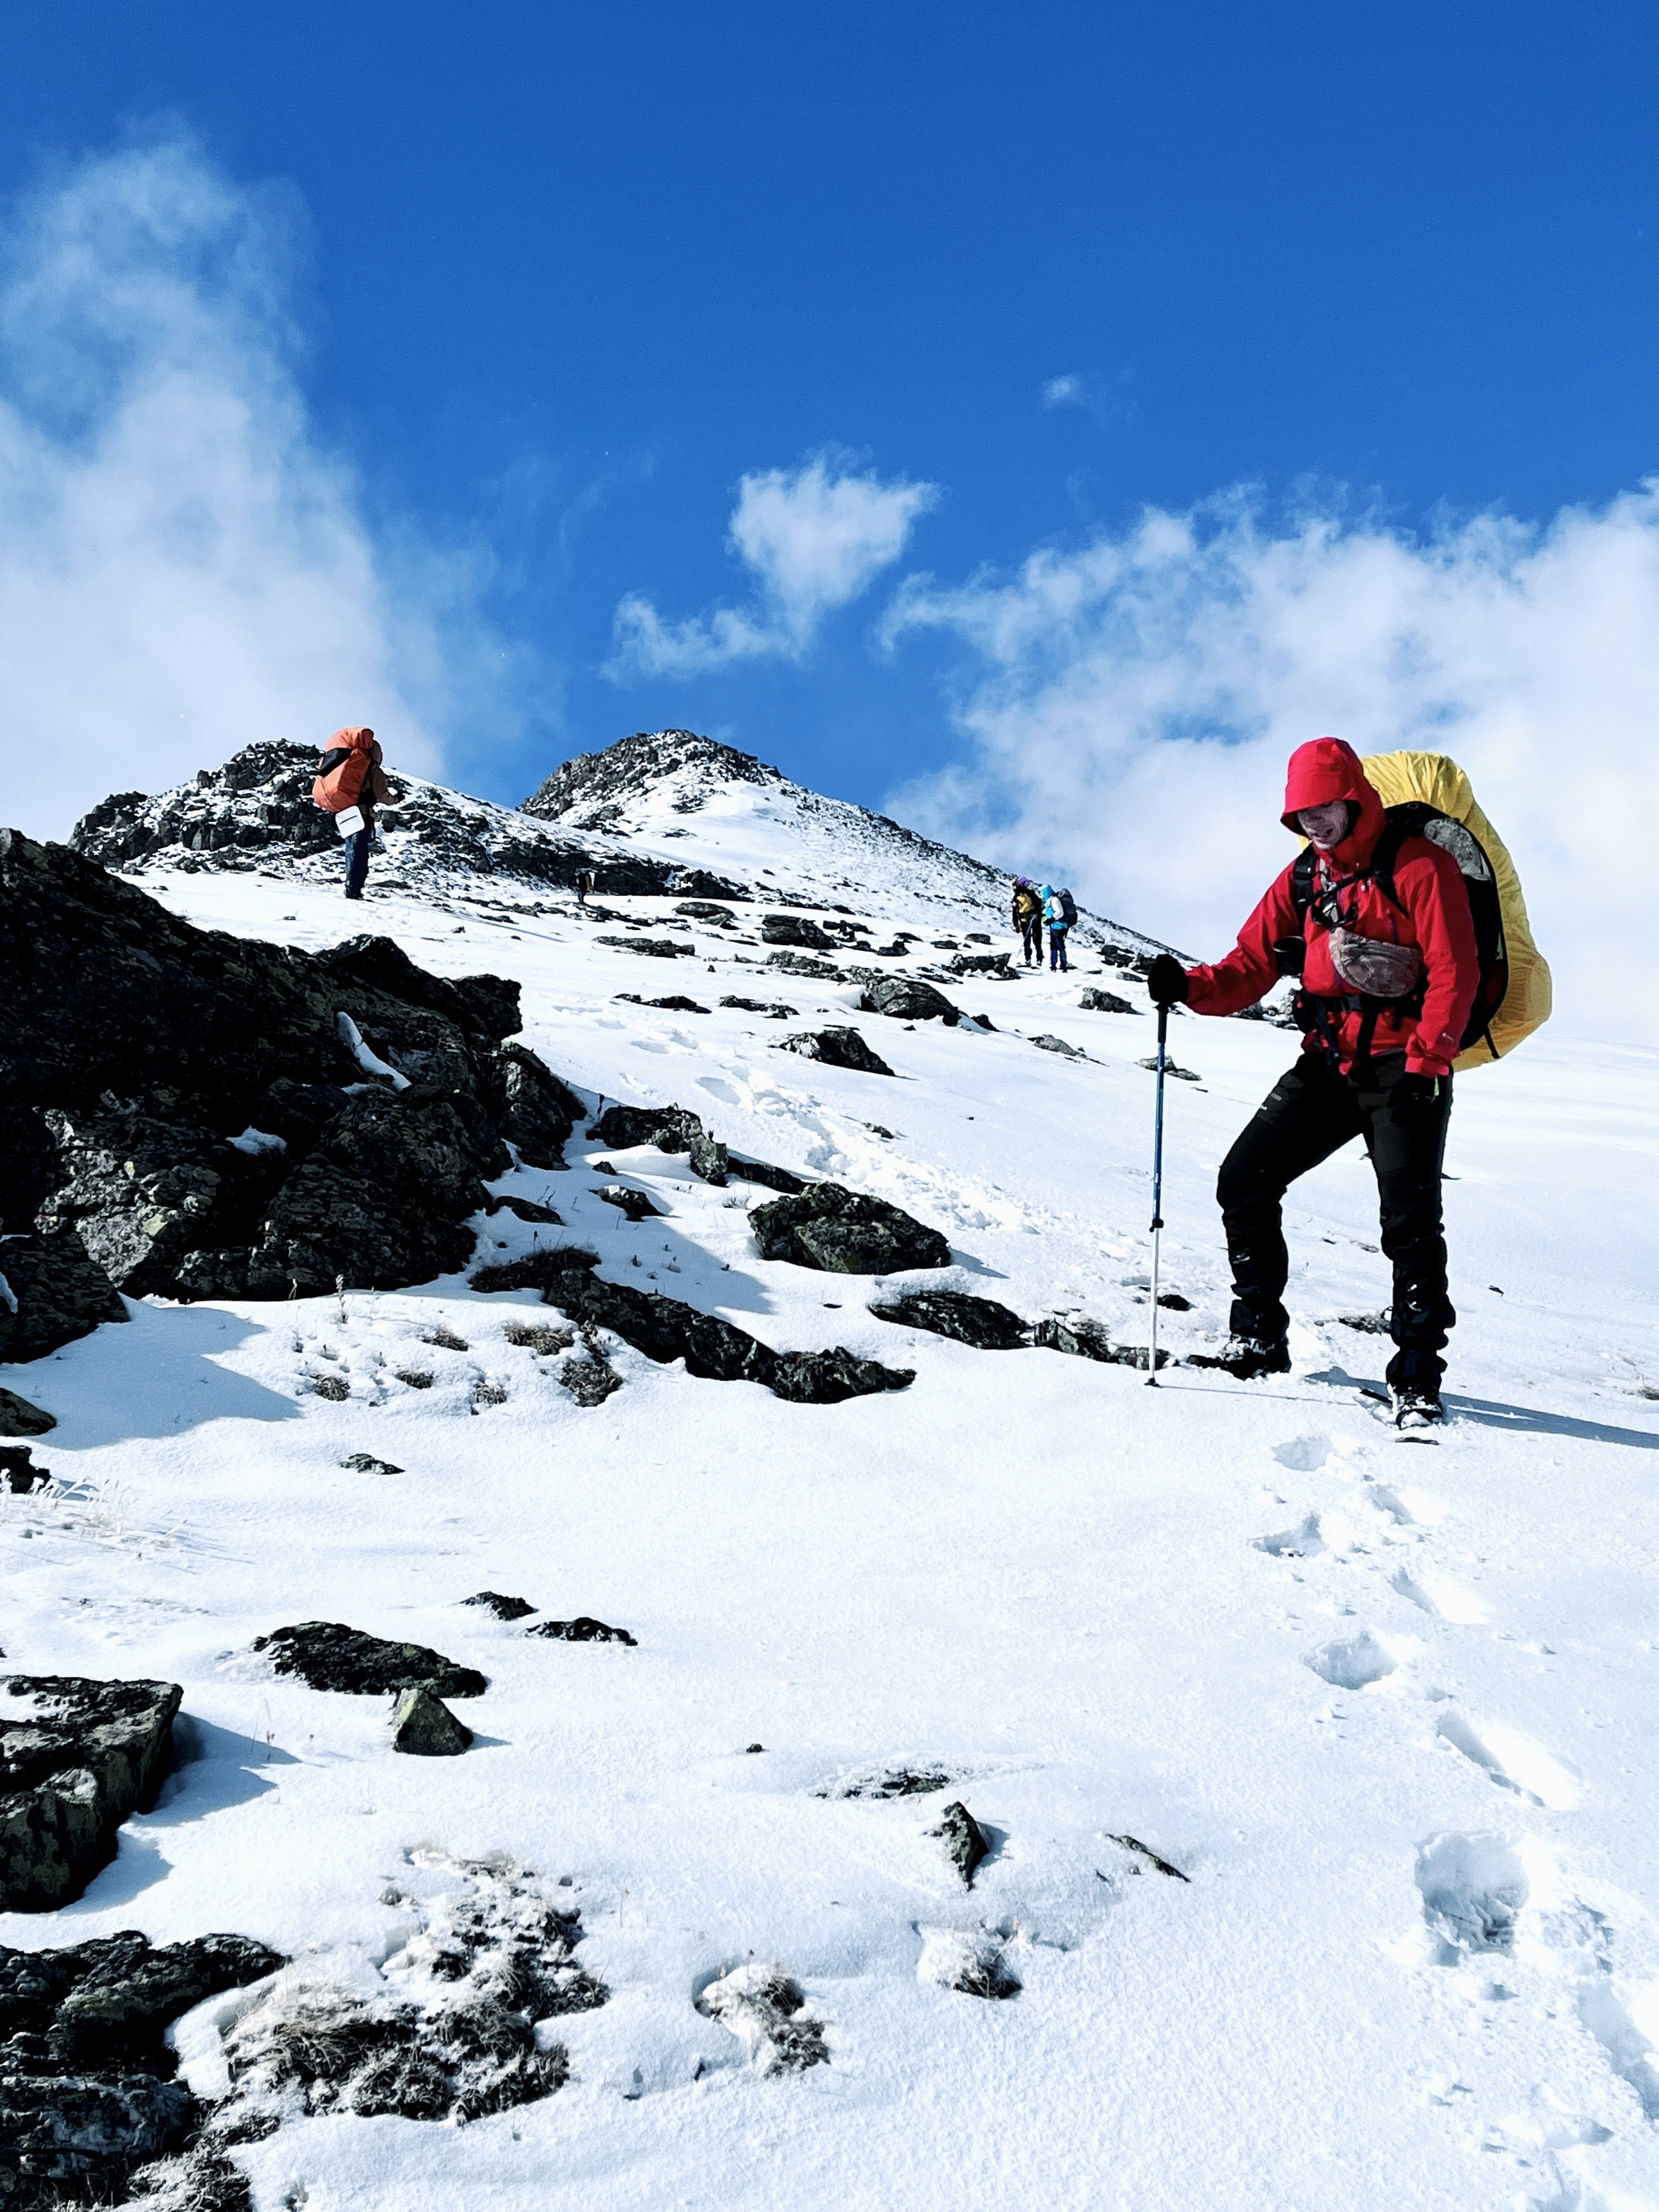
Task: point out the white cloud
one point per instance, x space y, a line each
814 538
1136 702
183 568
1066 391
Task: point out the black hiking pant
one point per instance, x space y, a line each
1311 1112
1031 938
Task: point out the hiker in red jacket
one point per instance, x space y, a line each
1387 987
349 774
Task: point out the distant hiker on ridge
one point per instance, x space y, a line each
350 782
1389 967
1059 912
1027 919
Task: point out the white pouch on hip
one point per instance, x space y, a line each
1374 966
349 823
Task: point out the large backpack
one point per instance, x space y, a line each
1068 909
1428 795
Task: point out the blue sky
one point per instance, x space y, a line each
558 297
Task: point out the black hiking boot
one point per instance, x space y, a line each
1417 1405
1247 1358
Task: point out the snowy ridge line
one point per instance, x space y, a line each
651 816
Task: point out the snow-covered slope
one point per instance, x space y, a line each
1388 1705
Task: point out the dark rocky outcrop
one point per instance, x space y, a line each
795 929
995 965
18 1472
769 1177
965 1842
328 1656
837 1046
979 1322
366 1463
18 1418
706 910
423 1726
1084 1338
1047 1043
664 1329
1095 1002
653 948
825 1378
503 1608
671 1129
635 1204
532 1273
905 999
674 1003
60 1292
805 964
87 2087
774 1009
214 1117
583 1630
91 1753
846 1233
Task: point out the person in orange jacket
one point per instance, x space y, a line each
349 774
1388 974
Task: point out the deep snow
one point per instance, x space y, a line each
1390 1704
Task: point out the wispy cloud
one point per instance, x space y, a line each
1134 703
814 538
184 566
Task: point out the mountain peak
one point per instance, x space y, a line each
589 792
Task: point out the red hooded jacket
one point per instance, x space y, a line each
348 774
1436 919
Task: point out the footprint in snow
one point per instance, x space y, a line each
1514 1762
1353 1662
1432 1592
1304 1541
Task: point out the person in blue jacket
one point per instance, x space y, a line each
1055 914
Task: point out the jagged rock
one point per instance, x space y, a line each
196 1090
28 1165
979 1322
17 1473
795 929
773 1010
664 1329
803 964
366 1463
674 1003
1181 1074
535 1271
525 1209
890 1782
583 1630
423 1725
965 1842
147 1195
993 965
589 1380
60 1294
19 1419
706 910
86 2092
828 1378
836 1046
540 1111
635 1204
503 1608
905 999
92 1753
846 1232
671 1129
1095 1002
328 1656
382 1200
653 948
766 2008
1084 1338
1045 1043
769 1177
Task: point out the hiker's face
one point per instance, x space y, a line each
1325 825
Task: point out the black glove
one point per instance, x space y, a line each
1166 982
1414 1098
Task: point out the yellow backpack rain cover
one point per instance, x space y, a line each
1438 781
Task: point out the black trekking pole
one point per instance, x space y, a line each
1157 1192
